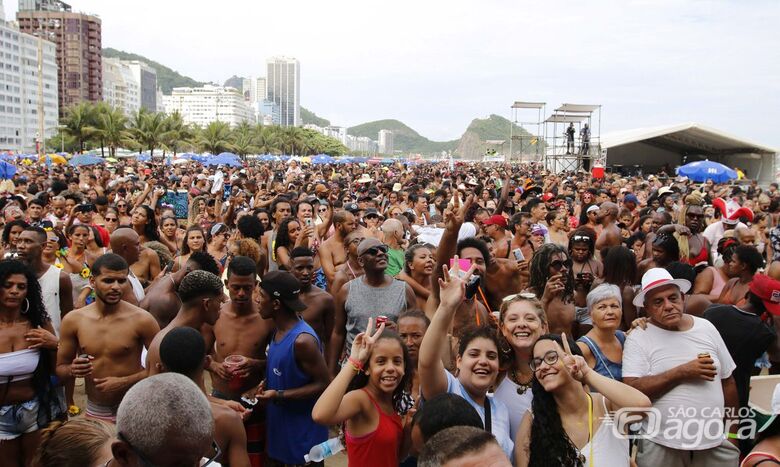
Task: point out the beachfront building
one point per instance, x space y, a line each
19 91
120 88
284 88
385 142
207 104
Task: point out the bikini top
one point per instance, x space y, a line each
18 365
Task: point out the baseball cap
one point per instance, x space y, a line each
371 212
367 244
768 290
284 287
631 198
547 197
595 207
496 219
352 207
320 188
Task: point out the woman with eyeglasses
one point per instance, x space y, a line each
216 246
552 281
123 210
477 361
521 322
28 349
194 240
567 425
111 219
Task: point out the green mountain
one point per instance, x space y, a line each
404 138
167 79
235 82
309 117
494 128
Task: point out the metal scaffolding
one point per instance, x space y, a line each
530 144
572 141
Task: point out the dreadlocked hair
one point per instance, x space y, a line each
695 198
550 445
540 270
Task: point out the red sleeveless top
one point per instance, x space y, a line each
380 447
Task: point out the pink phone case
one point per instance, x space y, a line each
464 264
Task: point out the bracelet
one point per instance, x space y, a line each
356 364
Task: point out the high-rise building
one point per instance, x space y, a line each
146 77
386 142
120 87
202 106
284 88
78 40
19 90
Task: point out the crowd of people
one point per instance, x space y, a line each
427 314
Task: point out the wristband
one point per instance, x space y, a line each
356 364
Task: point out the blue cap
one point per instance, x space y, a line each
631 198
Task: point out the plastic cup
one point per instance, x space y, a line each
232 362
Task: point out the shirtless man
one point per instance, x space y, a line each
201 298
102 342
495 228
240 330
500 276
183 351
610 232
126 243
351 269
320 304
332 251
161 299
520 225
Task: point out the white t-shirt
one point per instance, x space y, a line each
499 414
691 404
713 233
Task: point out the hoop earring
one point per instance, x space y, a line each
27 308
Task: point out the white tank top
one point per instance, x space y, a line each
608 448
50 289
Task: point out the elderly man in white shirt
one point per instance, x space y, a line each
682 364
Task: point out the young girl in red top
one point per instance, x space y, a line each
375 376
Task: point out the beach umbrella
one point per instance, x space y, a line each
112 160
7 170
180 161
225 158
86 159
700 171
322 159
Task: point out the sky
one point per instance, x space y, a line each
436 65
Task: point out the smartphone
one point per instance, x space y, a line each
518 255
307 221
463 264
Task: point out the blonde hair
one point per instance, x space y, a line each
73 443
695 198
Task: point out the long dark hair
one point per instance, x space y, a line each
540 270
361 379
620 266
550 445
185 249
150 229
38 317
283 234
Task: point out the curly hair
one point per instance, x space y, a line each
249 248
550 445
205 262
409 255
199 283
7 229
38 317
361 379
474 242
540 270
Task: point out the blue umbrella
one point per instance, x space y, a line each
322 159
225 158
700 171
85 159
267 157
7 170
145 157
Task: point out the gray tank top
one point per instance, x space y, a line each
364 301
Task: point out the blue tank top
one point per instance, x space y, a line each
605 366
291 431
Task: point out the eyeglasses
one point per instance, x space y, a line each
550 358
322 210
111 219
558 264
580 238
375 250
147 463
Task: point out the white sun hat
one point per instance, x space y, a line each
658 277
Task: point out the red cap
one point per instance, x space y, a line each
547 197
496 219
768 290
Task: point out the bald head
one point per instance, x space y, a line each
608 211
126 243
392 227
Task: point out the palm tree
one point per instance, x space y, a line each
148 129
215 138
293 139
177 132
267 140
78 123
111 128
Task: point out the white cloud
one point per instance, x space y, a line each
438 64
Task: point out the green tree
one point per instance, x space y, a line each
177 133
267 140
110 128
77 123
215 138
243 139
148 129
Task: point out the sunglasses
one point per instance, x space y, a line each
581 238
322 210
558 264
111 219
550 358
375 250
524 295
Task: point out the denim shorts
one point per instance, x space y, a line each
18 419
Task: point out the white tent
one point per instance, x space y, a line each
653 147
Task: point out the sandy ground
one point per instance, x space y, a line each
339 460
